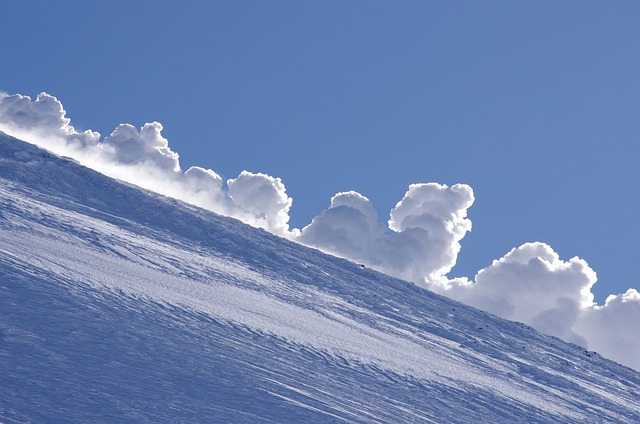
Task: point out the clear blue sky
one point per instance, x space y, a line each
534 104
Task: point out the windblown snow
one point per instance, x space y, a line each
120 305
420 241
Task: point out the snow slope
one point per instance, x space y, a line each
119 305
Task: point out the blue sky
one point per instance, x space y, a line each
533 104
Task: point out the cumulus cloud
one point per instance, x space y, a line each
348 228
420 241
143 157
531 284
44 117
438 214
261 198
612 329
129 146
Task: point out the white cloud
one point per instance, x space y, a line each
203 180
420 242
147 146
533 285
349 228
422 239
44 117
612 329
261 200
143 157
439 214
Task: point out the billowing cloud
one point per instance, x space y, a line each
439 214
420 242
531 284
612 329
262 199
349 228
143 157
44 117
206 185
129 146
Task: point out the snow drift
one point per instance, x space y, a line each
119 305
419 243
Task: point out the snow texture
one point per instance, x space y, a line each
119 305
419 243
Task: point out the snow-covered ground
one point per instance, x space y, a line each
118 305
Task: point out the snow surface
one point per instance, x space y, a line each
119 305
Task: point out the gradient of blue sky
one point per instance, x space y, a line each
534 104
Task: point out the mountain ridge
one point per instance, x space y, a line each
271 330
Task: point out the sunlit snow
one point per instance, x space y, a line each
118 305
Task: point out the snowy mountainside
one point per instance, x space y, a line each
119 305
